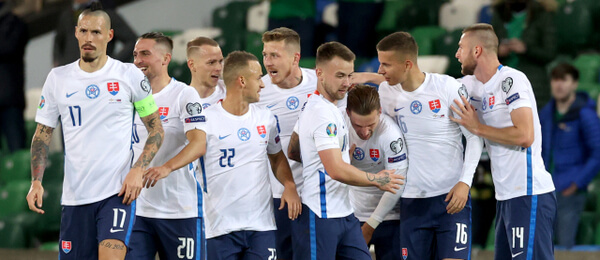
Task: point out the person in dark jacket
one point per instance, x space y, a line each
13 35
570 147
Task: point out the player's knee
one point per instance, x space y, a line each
111 249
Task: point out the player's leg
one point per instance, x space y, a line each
502 248
453 236
143 240
544 227
386 240
178 238
314 238
283 235
226 247
352 245
114 226
416 226
261 245
77 236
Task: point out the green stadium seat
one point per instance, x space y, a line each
574 27
425 37
592 202
12 198
12 236
49 246
389 19
588 66
419 13
254 44
15 166
55 168
230 42
586 230
593 89
180 71
446 45
50 220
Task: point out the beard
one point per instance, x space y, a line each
468 68
88 59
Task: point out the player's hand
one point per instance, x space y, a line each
35 196
517 46
294 204
570 190
458 196
154 174
386 180
367 232
132 185
467 116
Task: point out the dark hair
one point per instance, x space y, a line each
363 99
287 35
96 9
159 38
329 50
193 45
401 42
234 63
562 70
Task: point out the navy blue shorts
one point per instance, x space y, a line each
386 240
283 235
247 245
428 231
328 238
170 238
525 226
83 227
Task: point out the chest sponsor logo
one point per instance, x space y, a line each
42 102
435 105
416 107
66 246
292 103
113 88
261 131
374 153
163 112
358 154
331 130
92 91
244 134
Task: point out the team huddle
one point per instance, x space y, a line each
296 164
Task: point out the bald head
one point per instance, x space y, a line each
96 10
482 34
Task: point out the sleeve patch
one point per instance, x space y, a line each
331 130
462 91
397 158
146 106
512 98
193 108
145 85
396 146
507 84
195 119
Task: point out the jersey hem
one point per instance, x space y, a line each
503 198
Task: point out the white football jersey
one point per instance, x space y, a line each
96 111
385 149
216 96
321 126
434 141
177 195
516 171
237 192
286 105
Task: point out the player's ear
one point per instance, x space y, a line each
111 34
319 72
242 81
167 59
190 64
296 58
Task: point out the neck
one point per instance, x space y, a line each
293 80
486 68
159 82
203 90
234 103
324 94
562 106
414 80
95 65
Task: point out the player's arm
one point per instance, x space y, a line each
340 171
39 157
520 134
367 77
283 173
192 151
294 148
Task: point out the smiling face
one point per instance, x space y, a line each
207 65
279 60
252 78
334 76
93 35
149 57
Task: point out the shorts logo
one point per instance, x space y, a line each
416 107
42 102
205 105
113 88
358 154
244 134
507 84
92 91
145 85
492 101
163 112
396 146
262 131
404 253
331 130
193 108
462 91
435 105
374 153
512 98
292 103
66 246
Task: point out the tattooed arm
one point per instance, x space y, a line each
132 185
294 148
39 156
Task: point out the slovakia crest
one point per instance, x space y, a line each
163 112
113 88
262 131
492 102
374 153
404 253
435 105
65 246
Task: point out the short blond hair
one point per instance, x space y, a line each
235 63
194 45
287 35
485 34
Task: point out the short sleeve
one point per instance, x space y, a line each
140 86
324 131
190 108
47 112
456 90
274 145
515 92
393 144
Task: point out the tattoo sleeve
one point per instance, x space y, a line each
39 151
294 148
155 138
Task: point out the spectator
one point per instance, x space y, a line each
527 37
570 148
13 32
66 49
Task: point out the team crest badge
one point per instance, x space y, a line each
416 107
435 105
358 154
331 130
374 153
244 134
262 131
492 101
66 246
404 253
507 84
292 103
396 146
163 112
113 88
92 91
